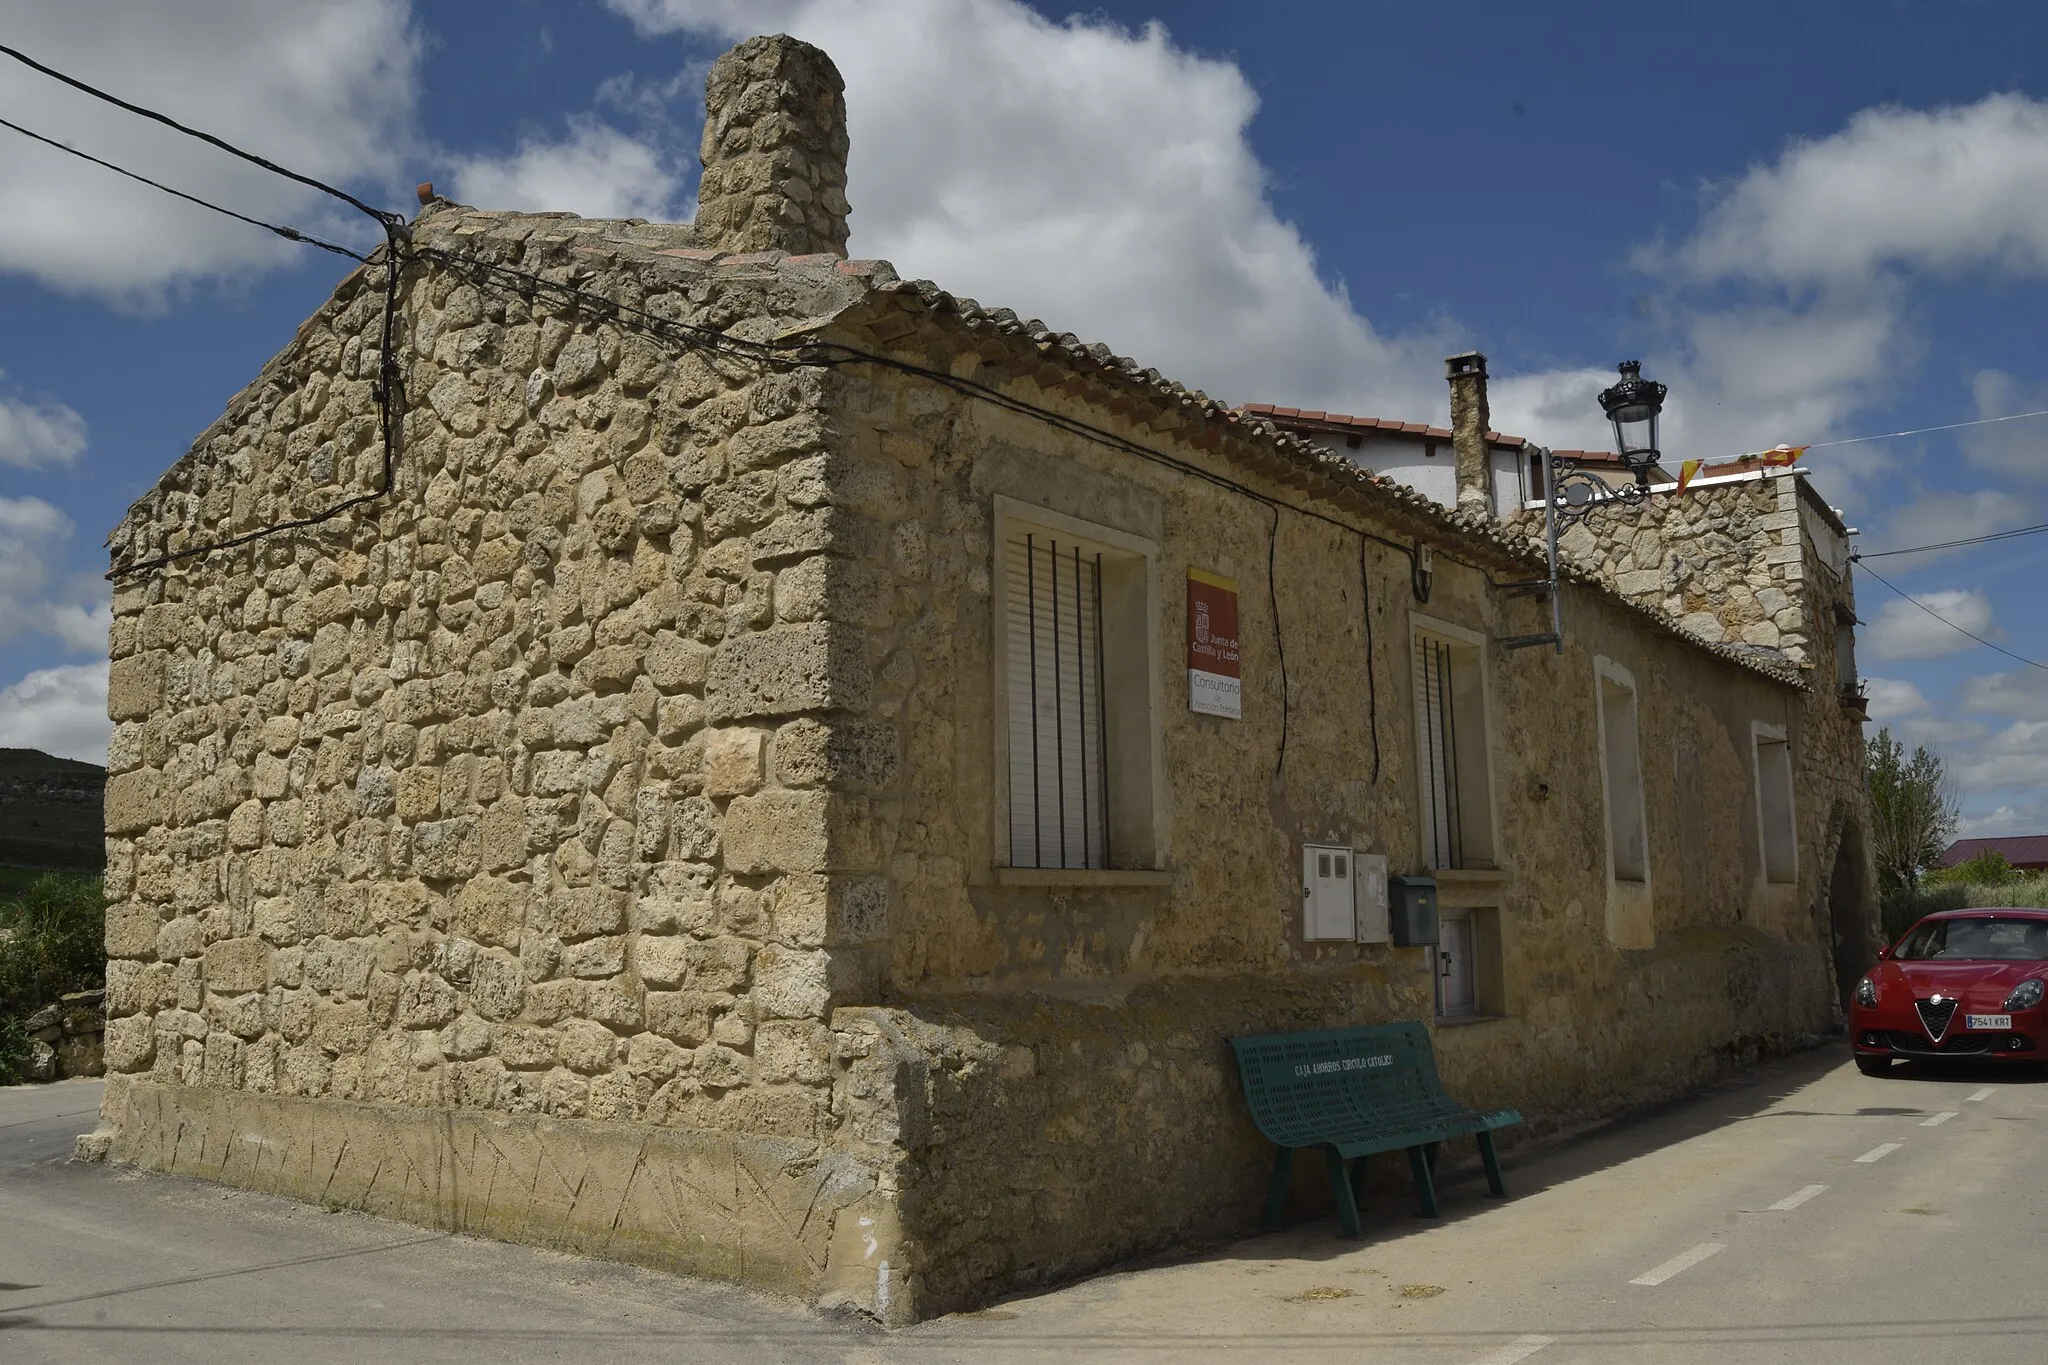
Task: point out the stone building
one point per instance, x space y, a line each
740 802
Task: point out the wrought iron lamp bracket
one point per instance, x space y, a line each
1572 495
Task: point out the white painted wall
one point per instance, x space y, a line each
1409 461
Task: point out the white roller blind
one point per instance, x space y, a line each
1053 659
1441 832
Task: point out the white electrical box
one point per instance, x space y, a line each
1369 871
1328 905
1343 895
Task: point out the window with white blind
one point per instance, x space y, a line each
1055 664
1450 714
1628 857
1776 826
1076 694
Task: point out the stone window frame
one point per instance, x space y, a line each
1472 644
1783 869
1631 918
1132 714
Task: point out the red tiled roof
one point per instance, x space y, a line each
1345 424
2021 850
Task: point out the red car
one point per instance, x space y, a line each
1962 983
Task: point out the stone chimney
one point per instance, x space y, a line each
1469 423
774 151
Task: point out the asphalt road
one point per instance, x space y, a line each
1805 1214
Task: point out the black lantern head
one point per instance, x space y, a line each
1632 405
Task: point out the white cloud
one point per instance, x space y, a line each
1893 698
2017 449
1904 631
39 432
73 608
61 711
1933 518
2007 820
1097 177
594 170
1940 189
322 86
2015 757
2022 694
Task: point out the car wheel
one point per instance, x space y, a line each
1873 1066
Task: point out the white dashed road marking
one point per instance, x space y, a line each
1516 1351
1679 1263
1981 1095
1943 1117
1793 1201
1879 1153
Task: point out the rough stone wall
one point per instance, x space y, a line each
774 151
1725 559
1061 1035
510 797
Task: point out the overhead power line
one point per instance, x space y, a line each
1922 431
393 222
1953 544
290 234
2017 658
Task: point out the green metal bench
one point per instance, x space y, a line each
1354 1092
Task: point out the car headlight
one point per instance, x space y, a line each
1866 993
2025 996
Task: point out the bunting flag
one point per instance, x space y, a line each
1778 456
1686 472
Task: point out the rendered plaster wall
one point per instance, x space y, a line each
491 830
1078 1101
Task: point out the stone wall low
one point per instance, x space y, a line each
511 799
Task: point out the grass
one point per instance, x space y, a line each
1902 908
52 940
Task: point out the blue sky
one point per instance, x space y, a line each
1814 220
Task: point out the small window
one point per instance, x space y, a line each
1450 706
1075 687
1620 749
1457 988
1775 817
1470 982
1057 756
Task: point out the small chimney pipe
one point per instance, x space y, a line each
1469 422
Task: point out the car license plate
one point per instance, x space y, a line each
1987 1021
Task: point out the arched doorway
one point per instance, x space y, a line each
1851 925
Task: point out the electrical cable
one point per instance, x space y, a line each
1279 639
388 396
2018 658
1953 544
290 234
1922 431
393 223
1372 682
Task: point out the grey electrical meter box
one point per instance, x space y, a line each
1412 910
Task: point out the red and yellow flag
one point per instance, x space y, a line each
1778 456
1686 473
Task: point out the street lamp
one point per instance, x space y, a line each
1572 493
1632 405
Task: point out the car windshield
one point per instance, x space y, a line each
1986 939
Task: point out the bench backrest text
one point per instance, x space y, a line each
1299 1084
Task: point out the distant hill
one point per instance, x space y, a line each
50 811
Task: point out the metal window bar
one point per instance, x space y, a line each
1058 767
1443 830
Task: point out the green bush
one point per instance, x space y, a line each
1906 904
1988 868
52 940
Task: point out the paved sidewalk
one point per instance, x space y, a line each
1780 1219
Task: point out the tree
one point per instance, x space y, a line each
1913 810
